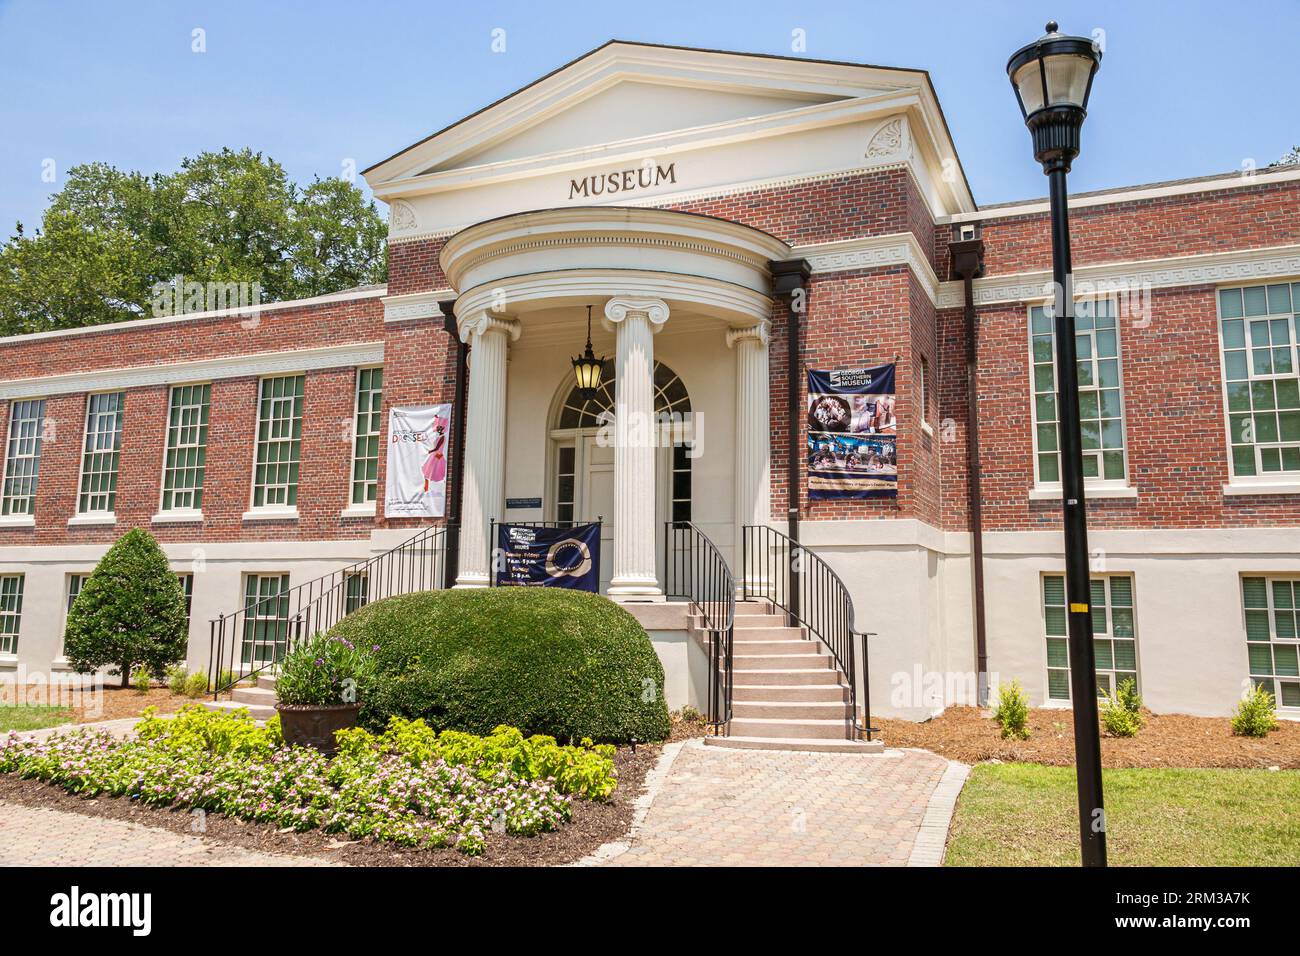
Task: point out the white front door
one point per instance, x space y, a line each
596 500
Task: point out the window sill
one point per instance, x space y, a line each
176 517
367 510
17 521
1090 494
90 520
271 514
1274 488
925 427
8 660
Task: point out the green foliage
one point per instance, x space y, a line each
176 675
140 680
227 678
1121 712
130 611
1254 716
109 237
409 785
1012 712
325 670
196 684
547 660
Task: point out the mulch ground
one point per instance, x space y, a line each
592 824
1165 740
90 705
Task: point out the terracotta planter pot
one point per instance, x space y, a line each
308 725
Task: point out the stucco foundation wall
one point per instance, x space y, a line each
686 669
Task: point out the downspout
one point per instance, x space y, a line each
456 485
967 254
790 282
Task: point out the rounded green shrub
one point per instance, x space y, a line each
546 660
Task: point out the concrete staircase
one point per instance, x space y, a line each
787 691
259 700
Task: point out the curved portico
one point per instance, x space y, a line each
527 279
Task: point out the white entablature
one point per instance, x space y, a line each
638 124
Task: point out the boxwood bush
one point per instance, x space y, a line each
546 660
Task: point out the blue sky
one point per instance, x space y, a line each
1185 89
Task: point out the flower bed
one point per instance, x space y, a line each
409 785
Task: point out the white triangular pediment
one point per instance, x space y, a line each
626 110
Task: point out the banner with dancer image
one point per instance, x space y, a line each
852 434
419 438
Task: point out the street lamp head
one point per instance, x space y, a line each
1052 78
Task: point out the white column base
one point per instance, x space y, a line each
627 591
471 581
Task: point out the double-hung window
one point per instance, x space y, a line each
1260 328
365 446
279 442
1272 612
22 457
100 452
1114 633
11 611
1101 413
266 618
187 448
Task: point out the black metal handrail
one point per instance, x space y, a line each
796 580
256 637
694 569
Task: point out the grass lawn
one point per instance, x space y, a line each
1021 814
32 717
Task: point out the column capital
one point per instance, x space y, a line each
481 323
759 332
620 307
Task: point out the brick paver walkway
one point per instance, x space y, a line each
31 836
728 807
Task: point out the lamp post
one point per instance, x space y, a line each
1052 78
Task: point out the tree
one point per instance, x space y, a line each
129 613
1291 158
110 238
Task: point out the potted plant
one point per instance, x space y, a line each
319 690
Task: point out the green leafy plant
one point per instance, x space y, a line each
1012 712
129 613
140 680
196 684
551 661
176 675
324 671
227 678
1255 716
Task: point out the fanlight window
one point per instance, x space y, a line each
580 412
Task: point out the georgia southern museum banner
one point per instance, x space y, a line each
549 557
852 433
418 441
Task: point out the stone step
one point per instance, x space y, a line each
752 607
782 662
791 710
764 648
745 635
256 711
814 745
805 729
253 695
790 693
266 682
801 676
744 622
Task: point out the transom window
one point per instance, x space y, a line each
365 450
279 442
187 448
100 453
1260 326
1272 609
266 618
1101 414
1113 631
11 611
579 412
22 457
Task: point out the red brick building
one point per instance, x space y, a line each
657 185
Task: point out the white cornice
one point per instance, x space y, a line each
204 370
165 320
1208 268
873 252
415 305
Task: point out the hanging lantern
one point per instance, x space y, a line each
587 367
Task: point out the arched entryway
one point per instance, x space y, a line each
581 484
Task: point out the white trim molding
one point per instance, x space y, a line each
872 252
17 521
203 370
415 305
92 519
1202 269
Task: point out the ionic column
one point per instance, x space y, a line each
636 321
489 337
753 441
